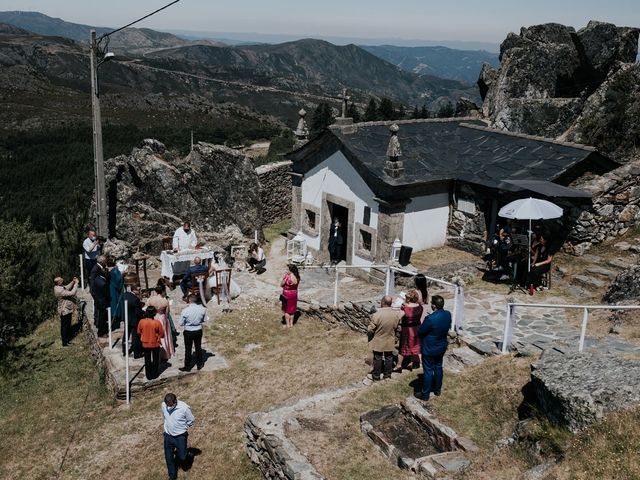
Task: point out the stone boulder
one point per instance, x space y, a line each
577 389
466 108
626 286
604 44
214 187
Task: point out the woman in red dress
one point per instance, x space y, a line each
289 296
409 341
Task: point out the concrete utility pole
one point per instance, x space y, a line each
102 224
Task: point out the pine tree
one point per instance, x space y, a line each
416 112
401 112
352 112
446 110
371 113
424 113
322 117
385 110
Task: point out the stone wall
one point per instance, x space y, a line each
616 207
275 191
467 227
354 315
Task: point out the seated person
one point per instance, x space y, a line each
503 252
188 281
540 263
184 238
257 259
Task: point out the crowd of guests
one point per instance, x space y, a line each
418 337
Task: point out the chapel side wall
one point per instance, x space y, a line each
335 180
425 222
467 228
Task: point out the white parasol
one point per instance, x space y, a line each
530 209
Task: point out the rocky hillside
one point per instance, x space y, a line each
463 65
578 85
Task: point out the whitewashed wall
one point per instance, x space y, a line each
335 175
425 222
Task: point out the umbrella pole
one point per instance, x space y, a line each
529 251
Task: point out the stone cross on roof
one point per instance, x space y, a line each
345 99
394 167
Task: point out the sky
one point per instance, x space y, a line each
468 20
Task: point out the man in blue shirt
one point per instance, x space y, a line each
189 278
433 344
177 420
192 318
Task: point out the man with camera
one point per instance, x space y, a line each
92 248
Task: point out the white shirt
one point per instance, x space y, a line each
91 251
183 240
177 419
193 316
259 255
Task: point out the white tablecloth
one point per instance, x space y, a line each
178 263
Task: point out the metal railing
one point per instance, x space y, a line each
508 323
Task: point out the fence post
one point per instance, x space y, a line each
387 281
126 349
335 289
507 321
82 271
583 331
109 321
454 324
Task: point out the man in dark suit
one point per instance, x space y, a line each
99 287
134 313
335 242
188 280
433 345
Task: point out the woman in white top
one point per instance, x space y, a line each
256 260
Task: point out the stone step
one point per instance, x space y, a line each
588 282
620 263
602 272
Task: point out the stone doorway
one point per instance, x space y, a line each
332 207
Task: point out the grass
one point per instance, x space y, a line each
276 230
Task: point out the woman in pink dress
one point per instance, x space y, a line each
161 303
289 297
409 341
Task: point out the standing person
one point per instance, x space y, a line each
99 282
382 337
184 238
191 319
290 282
177 418
420 282
257 259
134 313
151 332
335 242
116 287
91 250
66 305
409 341
540 264
160 302
433 345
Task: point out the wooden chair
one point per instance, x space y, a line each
223 283
167 243
196 280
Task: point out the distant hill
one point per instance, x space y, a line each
314 66
130 40
442 62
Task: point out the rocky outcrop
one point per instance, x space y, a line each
466 108
275 191
548 73
615 208
214 187
625 287
578 389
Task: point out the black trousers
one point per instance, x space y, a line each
335 251
101 320
135 345
191 339
152 362
65 328
377 364
258 265
534 277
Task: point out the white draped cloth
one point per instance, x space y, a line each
183 240
178 263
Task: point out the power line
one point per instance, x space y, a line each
136 21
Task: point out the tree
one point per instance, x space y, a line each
371 113
424 113
446 110
322 117
352 112
385 110
416 112
401 112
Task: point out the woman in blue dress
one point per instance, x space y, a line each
116 282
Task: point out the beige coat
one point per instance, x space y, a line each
65 296
382 329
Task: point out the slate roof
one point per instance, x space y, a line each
449 149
